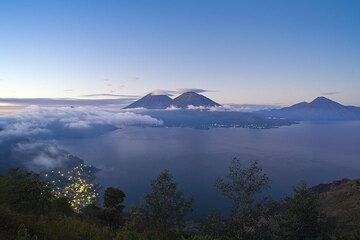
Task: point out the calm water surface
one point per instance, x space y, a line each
130 158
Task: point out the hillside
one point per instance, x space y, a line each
152 101
341 199
193 99
320 109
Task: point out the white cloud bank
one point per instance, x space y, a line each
228 108
28 138
39 121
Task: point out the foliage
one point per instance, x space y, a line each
22 233
248 218
113 198
198 237
242 184
111 217
28 212
302 217
166 207
60 228
24 191
91 213
62 206
215 225
137 220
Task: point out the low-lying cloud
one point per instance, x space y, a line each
28 138
39 156
229 108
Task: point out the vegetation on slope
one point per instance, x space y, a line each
29 211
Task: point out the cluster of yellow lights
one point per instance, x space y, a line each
74 184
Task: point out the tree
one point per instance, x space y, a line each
248 217
137 219
303 217
166 207
214 225
22 233
25 192
136 226
111 215
242 185
113 198
62 206
91 212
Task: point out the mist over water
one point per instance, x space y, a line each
131 157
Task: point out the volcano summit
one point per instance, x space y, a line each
154 101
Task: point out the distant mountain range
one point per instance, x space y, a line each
152 101
320 109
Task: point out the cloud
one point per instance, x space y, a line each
36 120
229 108
250 107
329 93
100 95
40 156
172 108
28 138
197 90
121 101
163 92
178 91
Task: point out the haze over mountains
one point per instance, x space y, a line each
320 109
154 101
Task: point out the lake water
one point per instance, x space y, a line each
131 157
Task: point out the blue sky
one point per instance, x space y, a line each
262 52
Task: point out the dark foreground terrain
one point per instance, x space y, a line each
29 209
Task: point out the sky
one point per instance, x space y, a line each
240 52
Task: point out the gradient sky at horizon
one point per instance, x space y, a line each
261 52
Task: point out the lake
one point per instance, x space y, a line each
131 157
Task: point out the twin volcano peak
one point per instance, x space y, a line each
194 99
162 101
